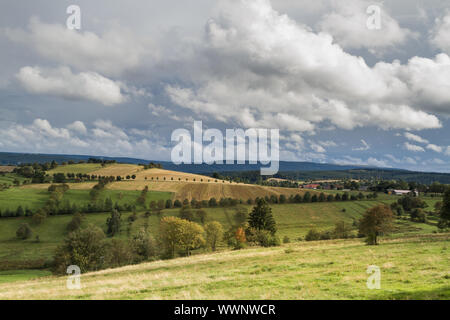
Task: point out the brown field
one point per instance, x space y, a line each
205 191
183 185
7 169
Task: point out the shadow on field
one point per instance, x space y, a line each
442 293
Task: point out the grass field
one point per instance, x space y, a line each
8 178
411 268
35 198
293 220
76 168
22 275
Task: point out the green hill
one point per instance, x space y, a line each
411 268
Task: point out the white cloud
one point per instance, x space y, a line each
440 35
112 53
365 146
316 147
373 162
447 152
63 83
347 22
77 126
414 137
103 138
275 72
413 147
434 148
328 143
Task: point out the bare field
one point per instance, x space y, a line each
183 185
7 169
206 191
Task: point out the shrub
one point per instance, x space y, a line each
143 246
84 248
286 239
24 231
312 235
214 234
75 223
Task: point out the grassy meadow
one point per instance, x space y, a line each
293 221
414 259
411 268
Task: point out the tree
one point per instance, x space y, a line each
191 236
75 223
341 230
261 217
113 223
170 229
376 220
24 231
201 215
118 253
444 221
143 246
186 214
84 248
214 234
176 232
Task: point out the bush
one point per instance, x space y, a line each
143 246
286 239
84 248
214 234
312 235
75 223
24 231
263 238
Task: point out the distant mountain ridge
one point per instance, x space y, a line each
18 158
288 170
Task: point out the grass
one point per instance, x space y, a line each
22 275
34 198
76 168
8 178
27 198
411 268
293 220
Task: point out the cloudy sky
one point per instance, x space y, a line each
339 92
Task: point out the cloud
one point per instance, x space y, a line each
365 146
414 137
447 151
373 162
103 138
275 72
347 22
115 51
316 147
440 35
413 147
77 126
434 148
62 82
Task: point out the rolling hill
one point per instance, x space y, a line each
412 268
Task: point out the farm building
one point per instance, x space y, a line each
402 192
311 186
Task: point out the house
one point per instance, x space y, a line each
403 192
311 186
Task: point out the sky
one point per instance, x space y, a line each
338 91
